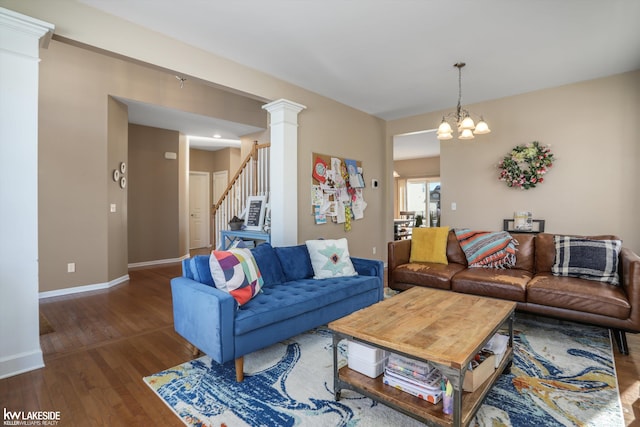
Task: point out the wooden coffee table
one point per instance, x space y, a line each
441 327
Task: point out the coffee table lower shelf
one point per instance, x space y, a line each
413 406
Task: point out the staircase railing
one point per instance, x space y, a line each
252 179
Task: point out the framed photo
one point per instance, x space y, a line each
255 211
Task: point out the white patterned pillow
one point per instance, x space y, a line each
330 258
587 259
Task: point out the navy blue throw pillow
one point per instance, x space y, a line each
295 262
269 264
200 270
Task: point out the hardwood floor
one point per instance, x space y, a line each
105 342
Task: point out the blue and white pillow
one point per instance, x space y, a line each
587 259
330 258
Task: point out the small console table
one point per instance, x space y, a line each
537 226
230 236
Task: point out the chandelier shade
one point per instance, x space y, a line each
465 134
444 127
461 118
482 127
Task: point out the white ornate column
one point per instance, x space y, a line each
20 38
284 171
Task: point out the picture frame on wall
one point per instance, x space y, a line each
255 213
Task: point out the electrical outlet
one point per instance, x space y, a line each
374 250
71 267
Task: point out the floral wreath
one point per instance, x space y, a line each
525 165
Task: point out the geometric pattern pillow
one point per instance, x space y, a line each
235 271
330 258
587 259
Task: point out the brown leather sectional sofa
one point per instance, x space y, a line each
530 283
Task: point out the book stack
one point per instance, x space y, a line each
414 377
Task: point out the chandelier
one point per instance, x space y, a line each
461 118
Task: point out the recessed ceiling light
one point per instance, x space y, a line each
217 135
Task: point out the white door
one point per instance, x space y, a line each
220 181
199 210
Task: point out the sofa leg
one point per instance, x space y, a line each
621 340
240 369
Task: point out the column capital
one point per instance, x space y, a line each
282 104
23 30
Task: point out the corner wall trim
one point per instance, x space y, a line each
21 363
84 288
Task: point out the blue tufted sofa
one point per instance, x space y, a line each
291 302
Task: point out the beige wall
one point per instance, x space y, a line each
75 85
73 175
581 121
592 187
153 195
117 225
83 138
424 167
215 161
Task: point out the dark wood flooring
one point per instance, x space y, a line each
105 342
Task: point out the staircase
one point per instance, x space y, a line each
252 179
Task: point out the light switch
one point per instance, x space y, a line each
113 207
454 206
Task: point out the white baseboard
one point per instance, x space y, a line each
84 288
20 363
158 262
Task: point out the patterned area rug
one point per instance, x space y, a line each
563 375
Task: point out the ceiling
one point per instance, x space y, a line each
416 145
393 58
200 128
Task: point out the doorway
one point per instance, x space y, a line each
416 172
199 231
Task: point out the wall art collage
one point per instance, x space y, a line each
337 190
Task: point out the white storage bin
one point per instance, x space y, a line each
366 359
365 367
366 353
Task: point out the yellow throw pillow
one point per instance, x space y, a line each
429 245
